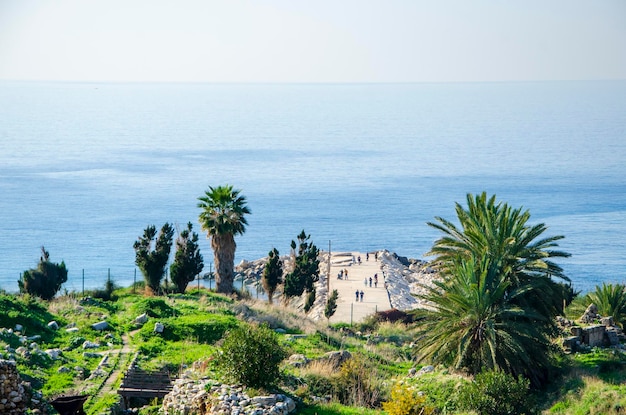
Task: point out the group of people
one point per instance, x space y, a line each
375 280
357 260
343 274
359 294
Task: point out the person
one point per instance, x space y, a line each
345 272
357 295
358 259
340 274
362 295
376 256
367 256
365 281
375 280
370 282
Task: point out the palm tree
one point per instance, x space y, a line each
223 217
473 323
610 300
495 304
500 233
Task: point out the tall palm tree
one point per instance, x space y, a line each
223 217
496 302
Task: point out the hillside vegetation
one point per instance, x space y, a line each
382 367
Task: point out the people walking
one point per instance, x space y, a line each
361 295
357 295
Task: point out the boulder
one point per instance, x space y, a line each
53 325
158 327
101 325
53 353
141 319
90 345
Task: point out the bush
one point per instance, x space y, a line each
356 383
45 280
251 355
406 400
497 393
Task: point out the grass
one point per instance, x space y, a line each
338 409
590 383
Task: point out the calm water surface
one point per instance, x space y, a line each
84 168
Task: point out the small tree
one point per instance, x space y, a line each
306 268
331 305
251 355
188 261
272 274
45 280
152 253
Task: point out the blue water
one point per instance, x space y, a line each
85 167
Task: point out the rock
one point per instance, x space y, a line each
337 358
72 329
298 360
141 319
590 314
90 345
158 327
19 327
53 325
53 353
426 369
91 355
607 321
102 325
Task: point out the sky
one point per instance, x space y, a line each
312 41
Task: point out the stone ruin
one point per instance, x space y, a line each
15 395
599 332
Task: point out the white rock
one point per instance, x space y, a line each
141 319
101 325
158 327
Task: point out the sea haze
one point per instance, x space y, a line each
85 167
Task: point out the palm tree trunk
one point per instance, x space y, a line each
224 253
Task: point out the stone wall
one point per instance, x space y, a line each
13 398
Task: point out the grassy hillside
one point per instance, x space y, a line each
382 354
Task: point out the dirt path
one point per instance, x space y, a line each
121 356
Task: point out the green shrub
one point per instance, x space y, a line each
207 328
497 393
251 355
154 307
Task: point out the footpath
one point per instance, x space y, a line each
357 278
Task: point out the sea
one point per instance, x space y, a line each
86 167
